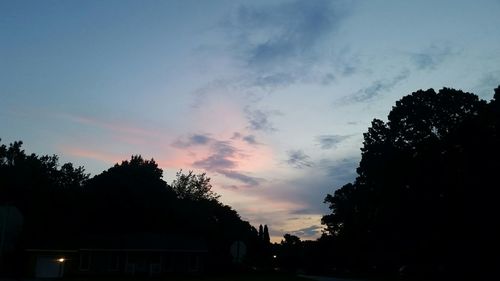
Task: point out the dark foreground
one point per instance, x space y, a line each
224 277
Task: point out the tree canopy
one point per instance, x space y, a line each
193 187
425 185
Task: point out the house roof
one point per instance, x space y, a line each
125 242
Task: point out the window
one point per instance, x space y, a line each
168 262
194 263
129 265
154 268
84 261
114 262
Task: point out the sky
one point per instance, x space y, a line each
269 98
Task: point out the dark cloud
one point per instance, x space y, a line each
275 80
431 57
259 120
330 141
248 180
220 159
348 69
328 79
286 30
192 140
236 136
250 139
199 139
281 42
340 171
230 187
298 159
376 88
311 231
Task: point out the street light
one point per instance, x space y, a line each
61 260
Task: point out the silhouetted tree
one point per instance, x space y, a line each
193 187
423 176
290 240
45 193
290 253
265 235
132 191
61 203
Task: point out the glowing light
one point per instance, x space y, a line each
274 256
61 260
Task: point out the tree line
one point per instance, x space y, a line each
63 203
424 202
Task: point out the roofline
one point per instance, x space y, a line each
142 250
117 250
51 250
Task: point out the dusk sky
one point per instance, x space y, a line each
269 98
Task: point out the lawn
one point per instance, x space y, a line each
226 277
253 277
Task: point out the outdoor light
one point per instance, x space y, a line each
274 256
61 260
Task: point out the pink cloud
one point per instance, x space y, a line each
92 154
115 126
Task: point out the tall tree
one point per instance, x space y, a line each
130 196
423 175
193 187
265 236
41 189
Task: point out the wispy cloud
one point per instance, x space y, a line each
220 159
376 88
330 141
281 42
223 156
305 211
248 180
308 232
278 33
111 125
192 140
249 139
274 80
431 57
259 120
298 159
340 172
92 154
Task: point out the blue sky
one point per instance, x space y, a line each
270 98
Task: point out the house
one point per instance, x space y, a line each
11 224
142 254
